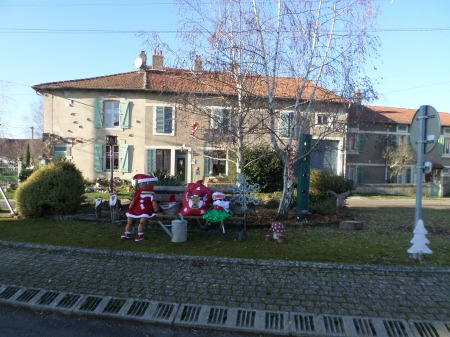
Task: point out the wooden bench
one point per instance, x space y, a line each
237 221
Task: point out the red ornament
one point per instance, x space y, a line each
194 128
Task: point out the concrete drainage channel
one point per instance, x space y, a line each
234 319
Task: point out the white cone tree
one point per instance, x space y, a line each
419 240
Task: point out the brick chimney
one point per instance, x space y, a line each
357 97
143 57
158 61
198 64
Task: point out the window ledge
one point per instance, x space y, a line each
445 155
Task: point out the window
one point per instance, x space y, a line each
220 119
444 146
111 114
163 160
400 140
352 141
355 173
324 120
215 163
103 158
158 159
404 177
286 122
59 151
164 120
446 131
355 142
114 155
402 128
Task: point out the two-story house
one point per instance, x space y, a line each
372 129
151 128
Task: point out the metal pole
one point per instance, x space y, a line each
111 163
419 167
303 178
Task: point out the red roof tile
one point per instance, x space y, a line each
382 114
181 80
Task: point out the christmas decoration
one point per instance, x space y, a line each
419 240
194 128
290 152
277 228
244 193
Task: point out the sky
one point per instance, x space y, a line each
53 40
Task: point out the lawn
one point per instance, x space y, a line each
384 241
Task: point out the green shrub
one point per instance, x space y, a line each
56 188
265 168
323 207
167 179
25 173
321 182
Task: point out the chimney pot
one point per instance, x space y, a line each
357 97
158 60
198 64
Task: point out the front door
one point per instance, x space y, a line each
180 165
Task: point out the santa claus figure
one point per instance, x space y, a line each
220 209
142 207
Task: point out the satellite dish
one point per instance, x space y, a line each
137 63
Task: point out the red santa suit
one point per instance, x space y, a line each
142 204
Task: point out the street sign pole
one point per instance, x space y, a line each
419 167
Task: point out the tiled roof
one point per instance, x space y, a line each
382 114
181 80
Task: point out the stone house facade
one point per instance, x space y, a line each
145 113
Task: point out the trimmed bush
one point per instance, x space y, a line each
321 182
56 188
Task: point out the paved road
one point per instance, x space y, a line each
403 293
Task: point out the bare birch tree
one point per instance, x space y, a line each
280 56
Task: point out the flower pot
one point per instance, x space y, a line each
280 238
267 237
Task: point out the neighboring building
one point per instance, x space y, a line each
143 110
372 128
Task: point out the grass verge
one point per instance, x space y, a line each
384 241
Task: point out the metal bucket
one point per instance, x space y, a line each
179 231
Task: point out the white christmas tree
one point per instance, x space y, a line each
419 240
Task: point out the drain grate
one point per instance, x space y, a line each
426 329
190 314
334 324
303 323
114 305
138 308
217 316
164 311
90 303
364 327
395 329
245 319
274 321
9 292
68 301
27 295
48 298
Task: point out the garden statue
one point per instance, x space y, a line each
340 198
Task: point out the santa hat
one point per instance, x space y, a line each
143 178
218 195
